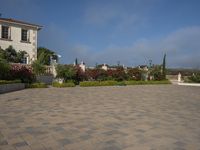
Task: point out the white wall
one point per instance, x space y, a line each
30 48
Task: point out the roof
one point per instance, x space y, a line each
18 22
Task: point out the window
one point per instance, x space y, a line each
5 32
24 35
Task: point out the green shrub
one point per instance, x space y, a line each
9 81
195 78
120 84
37 85
38 68
67 72
60 85
4 70
133 82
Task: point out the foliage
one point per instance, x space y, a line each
4 69
121 83
156 73
119 74
37 85
45 55
134 74
195 78
164 68
9 81
92 74
22 72
65 71
20 56
2 54
38 68
133 82
97 83
60 85
99 74
11 55
79 75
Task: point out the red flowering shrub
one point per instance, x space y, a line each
119 74
96 74
92 74
79 75
22 72
134 74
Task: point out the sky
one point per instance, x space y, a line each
131 32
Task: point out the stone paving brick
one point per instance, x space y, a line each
152 117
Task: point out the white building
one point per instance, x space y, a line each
20 35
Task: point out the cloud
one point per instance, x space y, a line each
181 46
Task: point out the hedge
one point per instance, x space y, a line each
123 83
60 85
9 81
133 82
37 85
98 83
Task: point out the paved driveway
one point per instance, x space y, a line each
157 117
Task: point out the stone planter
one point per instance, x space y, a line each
4 88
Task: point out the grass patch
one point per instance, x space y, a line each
37 85
9 81
61 85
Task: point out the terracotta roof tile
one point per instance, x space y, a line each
19 22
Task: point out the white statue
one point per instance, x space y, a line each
104 67
82 66
179 77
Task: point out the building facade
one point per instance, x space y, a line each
22 36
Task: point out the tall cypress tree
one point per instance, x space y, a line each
164 67
76 61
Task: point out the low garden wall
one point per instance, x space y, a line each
4 88
48 79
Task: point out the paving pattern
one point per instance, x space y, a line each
151 117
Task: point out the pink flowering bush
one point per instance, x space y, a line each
22 72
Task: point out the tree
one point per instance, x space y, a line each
164 67
4 69
11 54
76 61
46 55
65 71
20 56
38 68
2 54
38 65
